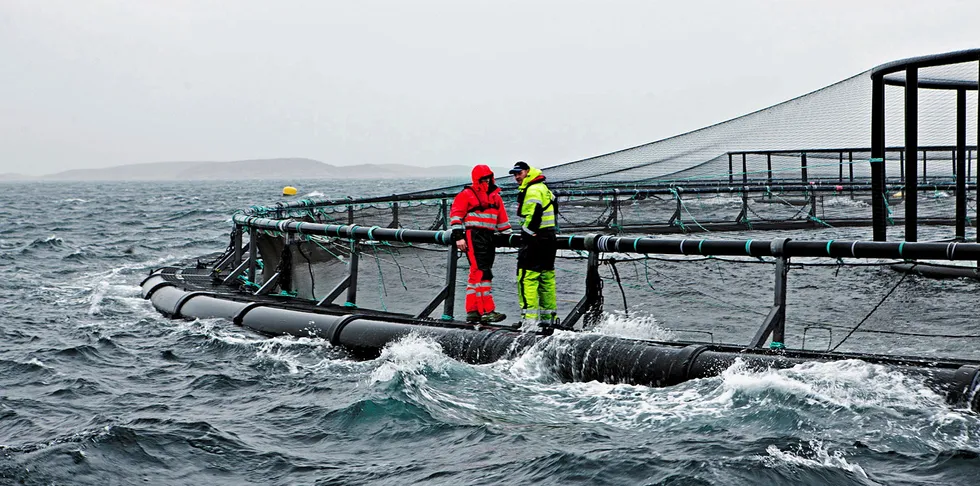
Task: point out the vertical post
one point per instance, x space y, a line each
449 305
615 209
912 153
745 171
236 242
745 188
253 250
901 165
731 169
803 166
840 168
675 219
960 166
779 299
352 286
350 214
444 214
925 159
775 322
813 205
590 304
769 169
394 216
878 157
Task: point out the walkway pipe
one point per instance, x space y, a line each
604 243
572 356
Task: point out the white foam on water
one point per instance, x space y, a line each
844 201
412 355
872 393
815 456
96 297
296 354
37 362
846 384
635 326
281 350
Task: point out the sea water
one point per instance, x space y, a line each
96 387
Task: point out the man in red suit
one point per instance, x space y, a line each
477 213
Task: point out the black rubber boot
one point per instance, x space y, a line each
493 316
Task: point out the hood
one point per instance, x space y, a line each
480 171
533 175
483 191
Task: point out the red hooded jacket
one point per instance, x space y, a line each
478 206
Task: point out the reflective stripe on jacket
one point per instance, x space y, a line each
536 202
467 213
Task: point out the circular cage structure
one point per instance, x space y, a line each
895 146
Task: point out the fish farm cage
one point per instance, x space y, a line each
645 232
893 146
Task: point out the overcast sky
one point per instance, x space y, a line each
98 83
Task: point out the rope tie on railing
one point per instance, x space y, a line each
612 263
819 221
324 248
840 261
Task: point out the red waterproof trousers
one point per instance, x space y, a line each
480 253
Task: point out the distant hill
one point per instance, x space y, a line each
284 168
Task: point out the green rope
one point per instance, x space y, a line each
818 220
316 242
888 210
382 291
395 260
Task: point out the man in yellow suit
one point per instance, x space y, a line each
536 257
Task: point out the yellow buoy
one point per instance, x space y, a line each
897 194
289 191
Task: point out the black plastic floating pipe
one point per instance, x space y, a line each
588 357
345 231
764 248
573 357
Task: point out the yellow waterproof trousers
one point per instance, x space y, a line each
536 293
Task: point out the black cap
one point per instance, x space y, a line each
519 167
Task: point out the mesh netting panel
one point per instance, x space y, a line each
838 116
831 125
